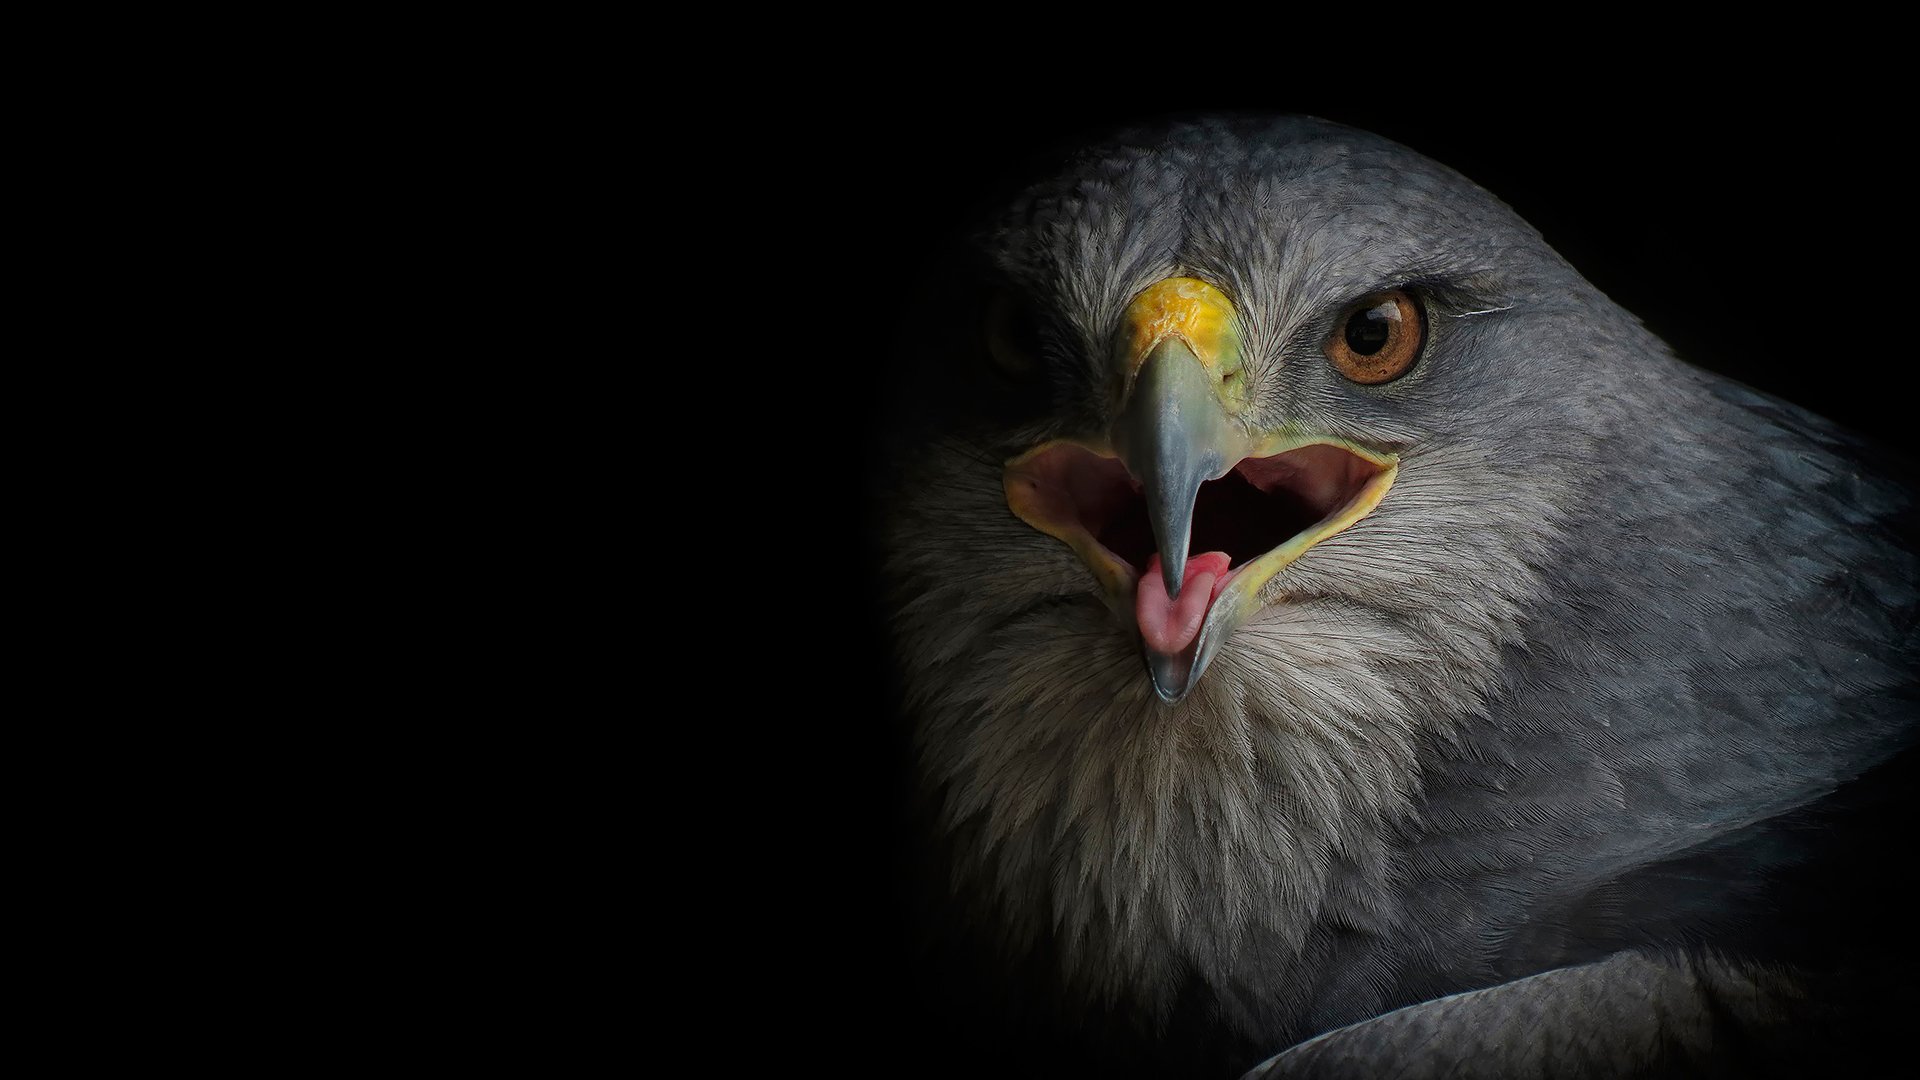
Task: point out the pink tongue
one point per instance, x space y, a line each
1170 625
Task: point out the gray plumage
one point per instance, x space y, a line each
1551 707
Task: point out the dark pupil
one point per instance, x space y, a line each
1368 330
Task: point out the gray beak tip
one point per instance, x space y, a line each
1173 569
1171 675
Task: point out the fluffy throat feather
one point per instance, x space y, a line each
1146 842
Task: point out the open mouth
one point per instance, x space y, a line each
1258 505
1248 523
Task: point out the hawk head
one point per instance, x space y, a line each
1273 441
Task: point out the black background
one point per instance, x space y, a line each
1762 230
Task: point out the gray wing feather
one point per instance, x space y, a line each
1628 1015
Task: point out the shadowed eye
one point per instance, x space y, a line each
1378 339
1013 337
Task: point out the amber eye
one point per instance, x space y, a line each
1013 336
1378 339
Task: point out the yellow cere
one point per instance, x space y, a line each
1199 315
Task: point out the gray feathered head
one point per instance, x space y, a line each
1329 438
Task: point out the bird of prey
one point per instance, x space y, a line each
1340 641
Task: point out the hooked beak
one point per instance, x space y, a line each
1174 435
1181 464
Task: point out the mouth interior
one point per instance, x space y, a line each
1258 505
